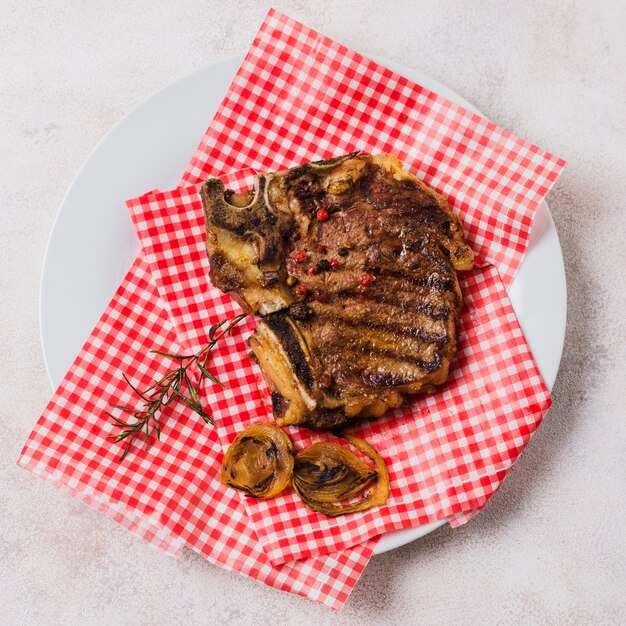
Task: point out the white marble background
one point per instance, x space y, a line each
551 546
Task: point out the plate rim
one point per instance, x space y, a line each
390 540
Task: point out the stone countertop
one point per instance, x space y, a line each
551 545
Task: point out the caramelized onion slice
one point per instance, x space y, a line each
327 474
259 461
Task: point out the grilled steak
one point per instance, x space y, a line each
352 264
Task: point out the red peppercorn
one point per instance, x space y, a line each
322 215
334 265
312 270
300 257
322 248
301 290
320 295
366 280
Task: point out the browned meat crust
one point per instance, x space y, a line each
352 262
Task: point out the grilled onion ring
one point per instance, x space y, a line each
327 474
259 461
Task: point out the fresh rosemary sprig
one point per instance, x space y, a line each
168 388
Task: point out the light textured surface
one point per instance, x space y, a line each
551 546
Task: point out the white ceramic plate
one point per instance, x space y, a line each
93 243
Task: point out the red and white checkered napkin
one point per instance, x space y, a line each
300 96
171 495
446 452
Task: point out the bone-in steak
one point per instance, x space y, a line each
352 264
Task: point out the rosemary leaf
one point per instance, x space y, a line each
192 391
210 376
139 393
163 381
169 387
127 448
121 407
185 400
208 419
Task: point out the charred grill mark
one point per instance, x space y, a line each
433 282
279 324
440 314
361 350
415 332
386 379
427 366
403 196
394 358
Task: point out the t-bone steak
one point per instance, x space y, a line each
352 263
